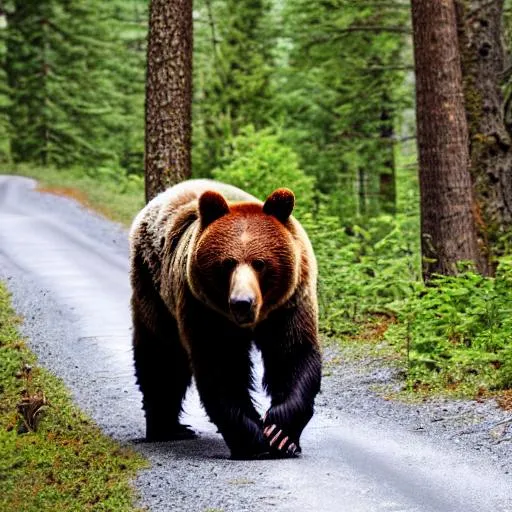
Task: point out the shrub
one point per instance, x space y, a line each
257 162
362 270
458 330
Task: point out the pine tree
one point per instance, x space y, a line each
232 76
481 38
63 66
131 21
4 89
168 95
343 94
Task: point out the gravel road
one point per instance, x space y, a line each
67 270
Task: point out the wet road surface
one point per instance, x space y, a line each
68 271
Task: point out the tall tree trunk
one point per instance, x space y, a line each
362 180
481 33
387 175
168 95
447 223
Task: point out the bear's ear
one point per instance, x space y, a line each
280 204
212 206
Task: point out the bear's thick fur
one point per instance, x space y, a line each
214 270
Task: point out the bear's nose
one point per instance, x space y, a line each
242 309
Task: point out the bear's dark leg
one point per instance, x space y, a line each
224 387
161 364
292 361
220 353
163 374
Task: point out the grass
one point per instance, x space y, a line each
66 463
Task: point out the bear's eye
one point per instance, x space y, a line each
228 264
258 265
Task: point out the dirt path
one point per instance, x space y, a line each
67 270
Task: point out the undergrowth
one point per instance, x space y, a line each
52 457
457 332
453 333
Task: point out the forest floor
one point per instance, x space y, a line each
364 448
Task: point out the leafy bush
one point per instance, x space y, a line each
458 331
257 162
362 270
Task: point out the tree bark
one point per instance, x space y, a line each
387 175
481 34
447 223
168 95
362 180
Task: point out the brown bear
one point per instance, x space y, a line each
214 271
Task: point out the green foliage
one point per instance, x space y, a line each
5 94
67 463
505 374
458 331
257 162
362 271
76 93
233 63
343 92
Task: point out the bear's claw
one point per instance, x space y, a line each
280 443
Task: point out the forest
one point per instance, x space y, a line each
402 172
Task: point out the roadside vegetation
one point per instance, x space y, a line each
52 457
450 336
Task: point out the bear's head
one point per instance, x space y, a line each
245 261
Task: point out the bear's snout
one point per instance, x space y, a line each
244 296
243 309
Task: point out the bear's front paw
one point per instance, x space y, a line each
281 444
